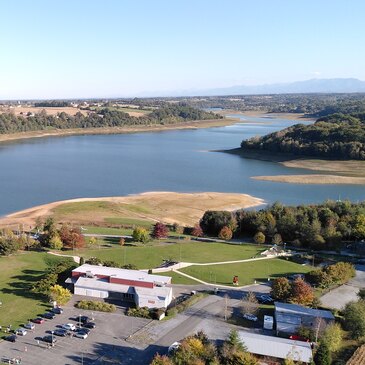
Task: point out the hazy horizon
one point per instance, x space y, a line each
94 49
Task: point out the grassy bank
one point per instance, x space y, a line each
18 273
247 272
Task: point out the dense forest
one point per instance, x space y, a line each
167 114
340 136
320 226
52 104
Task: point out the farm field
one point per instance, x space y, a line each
247 272
18 273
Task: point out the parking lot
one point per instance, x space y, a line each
106 344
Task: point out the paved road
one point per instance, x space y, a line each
339 297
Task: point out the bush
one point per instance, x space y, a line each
142 312
95 306
354 314
140 234
259 238
225 233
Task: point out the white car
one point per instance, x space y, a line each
250 317
80 334
29 326
69 327
173 347
21 332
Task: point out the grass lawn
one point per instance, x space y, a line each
178 278
247 272
106 231
151 255
18 273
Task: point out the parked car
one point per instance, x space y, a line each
11 338
83 329
38 320
89 325
81 334
57 310
264 299
49 339
29 326
69 327
60 332
84 319
21 332
250 317
49 315
173 347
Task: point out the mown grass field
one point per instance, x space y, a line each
247 272
17 275
152 255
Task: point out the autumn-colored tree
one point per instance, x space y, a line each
55 242
281 289
301 292
159 231
259 238
276 239
140 234
225 233
60 294
121 241
71 237
161 360
177 228
197 231
249 304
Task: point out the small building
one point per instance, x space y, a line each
272 350
358 358
290 317
145 290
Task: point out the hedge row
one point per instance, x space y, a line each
95 306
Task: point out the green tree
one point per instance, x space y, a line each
55 242
359 229
276 239
361 294
333 335
259 238
59 294
323 355
354 314
161 360
140 234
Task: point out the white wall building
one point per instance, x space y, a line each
145 290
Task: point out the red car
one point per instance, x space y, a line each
38 320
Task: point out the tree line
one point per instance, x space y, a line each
340 136
167 114
322 226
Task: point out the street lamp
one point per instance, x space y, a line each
52 337
79 320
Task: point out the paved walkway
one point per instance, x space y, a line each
75 258
339 297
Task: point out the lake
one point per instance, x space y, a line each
43 170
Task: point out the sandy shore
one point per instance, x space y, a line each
117 130
169 207
313 179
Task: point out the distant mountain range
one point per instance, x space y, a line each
338 85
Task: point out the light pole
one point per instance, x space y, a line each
52 337
79 320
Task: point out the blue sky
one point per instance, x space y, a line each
111 48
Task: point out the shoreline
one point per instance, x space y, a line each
197 124
166 206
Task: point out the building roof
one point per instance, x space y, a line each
295 309
100 284
358 358
123 274
280 348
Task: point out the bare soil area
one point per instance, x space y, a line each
169 207
313 179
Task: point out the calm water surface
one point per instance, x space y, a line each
39 171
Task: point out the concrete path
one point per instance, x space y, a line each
75 258
339 297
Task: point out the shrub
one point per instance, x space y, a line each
225 233
140 234
354 314
142 312
159 231
197 231
259 238
94 261
95 306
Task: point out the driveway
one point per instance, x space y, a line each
339 297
